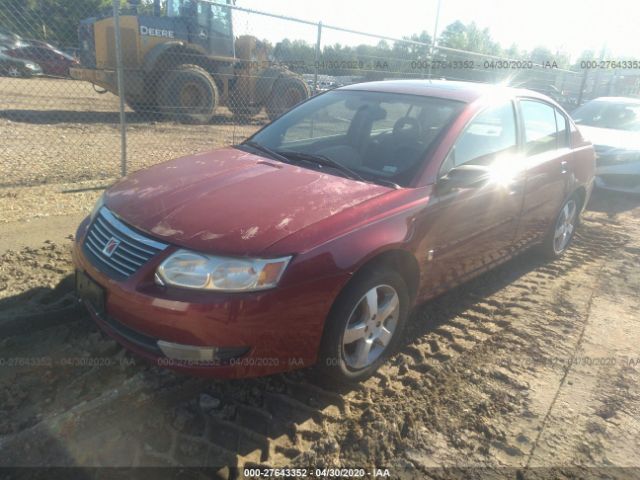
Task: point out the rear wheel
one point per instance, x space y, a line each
240 108
364 326
561 234
188 94
286 93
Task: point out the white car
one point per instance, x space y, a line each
612 124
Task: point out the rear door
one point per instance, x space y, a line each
546 150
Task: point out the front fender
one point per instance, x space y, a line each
154 55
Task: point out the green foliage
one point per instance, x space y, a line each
54 21
470 38
370 61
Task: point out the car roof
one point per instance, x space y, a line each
627 100
454 90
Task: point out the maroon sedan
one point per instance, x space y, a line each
53 61
311 242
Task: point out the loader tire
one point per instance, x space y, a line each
286 93
188 94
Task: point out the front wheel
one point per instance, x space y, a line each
561 234
364 326
188 94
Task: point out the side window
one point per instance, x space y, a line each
539 127
562 126
491 133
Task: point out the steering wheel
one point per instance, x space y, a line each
414 127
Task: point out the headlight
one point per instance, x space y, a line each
30 66
97 207
208 272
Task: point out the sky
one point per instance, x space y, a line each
570 25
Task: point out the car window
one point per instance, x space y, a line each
609 114
539 127
491 133
562 126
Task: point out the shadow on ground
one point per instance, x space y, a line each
612 203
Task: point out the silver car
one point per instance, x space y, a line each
613 126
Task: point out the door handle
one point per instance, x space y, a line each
563 166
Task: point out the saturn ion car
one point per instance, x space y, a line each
311 242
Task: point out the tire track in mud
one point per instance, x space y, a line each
164 419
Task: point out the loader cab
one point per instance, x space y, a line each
207 25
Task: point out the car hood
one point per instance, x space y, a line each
608 138
230 201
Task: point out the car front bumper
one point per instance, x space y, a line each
250 334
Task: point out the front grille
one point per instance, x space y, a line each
132 249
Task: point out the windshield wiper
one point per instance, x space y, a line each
272 153
388 183
324 161
285 156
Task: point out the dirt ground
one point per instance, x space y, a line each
62 131
531 366
529 371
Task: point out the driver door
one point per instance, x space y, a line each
479 198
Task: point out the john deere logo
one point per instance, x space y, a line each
111 246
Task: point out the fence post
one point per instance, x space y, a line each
434 41
583 84
120 79
317 59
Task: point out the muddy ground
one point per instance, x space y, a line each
530 367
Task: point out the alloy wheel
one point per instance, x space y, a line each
565 225
370 327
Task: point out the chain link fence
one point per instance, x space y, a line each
199 74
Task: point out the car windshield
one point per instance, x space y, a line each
608 114
377 136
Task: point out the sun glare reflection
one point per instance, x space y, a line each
504 170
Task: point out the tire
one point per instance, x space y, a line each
344 361
241 111
563 229
285 94
147 109
188 94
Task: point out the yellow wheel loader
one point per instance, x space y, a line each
182 61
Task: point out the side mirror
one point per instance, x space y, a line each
464 176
